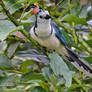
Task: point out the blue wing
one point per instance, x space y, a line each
59 35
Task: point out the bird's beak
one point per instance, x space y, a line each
47 17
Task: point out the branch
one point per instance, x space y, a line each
8 14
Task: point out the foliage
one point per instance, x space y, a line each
27 67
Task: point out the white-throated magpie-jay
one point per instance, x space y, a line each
48 34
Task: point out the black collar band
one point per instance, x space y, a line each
44 37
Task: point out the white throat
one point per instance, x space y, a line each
43 28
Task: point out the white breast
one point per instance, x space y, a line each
43 30
51 42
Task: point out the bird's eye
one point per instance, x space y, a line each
40 16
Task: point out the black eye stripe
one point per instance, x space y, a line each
46 17
41 17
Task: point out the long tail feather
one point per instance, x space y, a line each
79 62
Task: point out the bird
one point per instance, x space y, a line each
47 33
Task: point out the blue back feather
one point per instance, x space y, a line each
59 35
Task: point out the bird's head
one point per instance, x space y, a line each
35 9
43 16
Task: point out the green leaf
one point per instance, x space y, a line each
32 54
5 27
89 15
1 72
84 11
13 6
89 59
59 67
69 40
12 48
32 76
49 76
59 81
4 81
34 81
25 1
74 19
38 89
22 1
3 46
17 80
89 36
2 16
77 9
45 85
18 90
4 62
26 66
60 89
1 89
89 42
46 73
